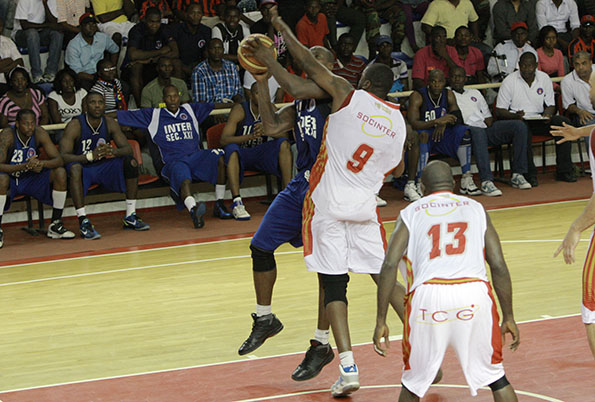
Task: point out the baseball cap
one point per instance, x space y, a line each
517 25
86 18
588 19
383 39
266 2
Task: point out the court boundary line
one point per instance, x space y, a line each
209 240
227 362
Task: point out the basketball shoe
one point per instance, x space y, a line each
468 186
347 383
239 211
134 222
317 356
263 328
88 232
56 230
221 211
197 214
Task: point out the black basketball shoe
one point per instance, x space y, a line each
317 356
263 327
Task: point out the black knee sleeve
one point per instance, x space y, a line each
130 170
262 260
335 287
499 384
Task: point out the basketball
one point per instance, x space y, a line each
250 63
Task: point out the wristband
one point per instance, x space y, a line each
89 156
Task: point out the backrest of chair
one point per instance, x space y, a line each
136 151
214 136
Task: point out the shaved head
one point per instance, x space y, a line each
323 55
436 74
377 78
437 176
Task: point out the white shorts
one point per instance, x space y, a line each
110 28
336 247
461 315
588 299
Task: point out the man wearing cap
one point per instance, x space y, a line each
87 48
348 65
559 13
505 57
384 45
585 41
507 12
434 56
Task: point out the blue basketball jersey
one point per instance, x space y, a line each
247 127
177 135
90 138
22 151
430 110
308 131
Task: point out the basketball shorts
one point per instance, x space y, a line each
36 185
261 158
450 143
108 173
336 247
588 302
461 315
282 223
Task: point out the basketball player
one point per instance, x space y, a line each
23 173
341 229
175 131
91 159
449 300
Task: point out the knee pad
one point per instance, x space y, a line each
499 384
130 171
335 288
262 260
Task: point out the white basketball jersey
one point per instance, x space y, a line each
363 143
591 157
446 239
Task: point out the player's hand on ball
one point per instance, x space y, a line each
380 332
510 327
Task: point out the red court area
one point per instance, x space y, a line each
553 363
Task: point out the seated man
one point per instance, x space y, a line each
437 55
312 28
174 129
506 59
559 14
109 85
10 57
91 159
468 57
152 95
487 132
113 16
348 65
505 13
434 113
246 148
23 173
231 32
528 95
451 16
585 41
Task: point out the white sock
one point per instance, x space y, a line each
237 199
263 310
2 203
346 358
81 212
59 199
411 182
190 202
322 336
130 207
464 155
220 191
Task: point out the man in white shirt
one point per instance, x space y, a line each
528 95
505 58
32 29
558 13
10 57
487 132
575 90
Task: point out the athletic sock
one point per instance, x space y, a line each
220 191
237 199
130 207
82 215
263 310
464 155
322 335
346 358
424 155
2 204
190 202
58 200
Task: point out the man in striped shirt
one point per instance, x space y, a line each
348 65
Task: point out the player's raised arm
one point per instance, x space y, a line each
275 123
54 158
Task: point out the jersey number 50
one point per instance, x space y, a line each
454 248
359 158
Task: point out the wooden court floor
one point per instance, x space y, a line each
136 312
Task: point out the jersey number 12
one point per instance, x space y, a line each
454 248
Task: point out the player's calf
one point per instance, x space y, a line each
56 229
503 391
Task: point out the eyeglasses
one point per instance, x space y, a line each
109 69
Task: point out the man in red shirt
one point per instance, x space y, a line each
434 56
468 57
312 28
348 65
584 42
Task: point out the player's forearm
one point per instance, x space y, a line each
123 151
270 120
6 168
587 218
296 86
503 288
72 158
423 125
52 163
386 283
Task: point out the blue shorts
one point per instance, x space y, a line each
108 173
261 158
282 222
36 185
201 165
451 140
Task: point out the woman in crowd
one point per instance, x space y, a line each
550 59
22 96
66 100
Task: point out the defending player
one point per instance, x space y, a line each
175 131
91 159
449 299
23 173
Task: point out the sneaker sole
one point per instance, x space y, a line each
329 359
222 217
201 210
58 236
243 219
347 390
520 188
492 194
252 349
124 226
92 238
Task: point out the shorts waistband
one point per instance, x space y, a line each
454 281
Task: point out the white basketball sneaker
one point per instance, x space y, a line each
347 383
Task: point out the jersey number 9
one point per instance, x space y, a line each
359 158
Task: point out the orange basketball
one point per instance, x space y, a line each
250 63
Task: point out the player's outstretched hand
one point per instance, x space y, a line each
568 245
567 132
510 327
380 332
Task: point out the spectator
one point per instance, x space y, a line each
336 10
375 11
264 26
506 55
162 5
507 12
113 16
450 14
231 33
10 57
19 96
585 40
87 48
191 36
528 95
66 100
419 7
483 10
216 80
32 30
468 57
66 14
211 10
146 43
575 90
559 13
550 59
348 65
434 56
399 68
487 132
312 28
110 87
152 95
